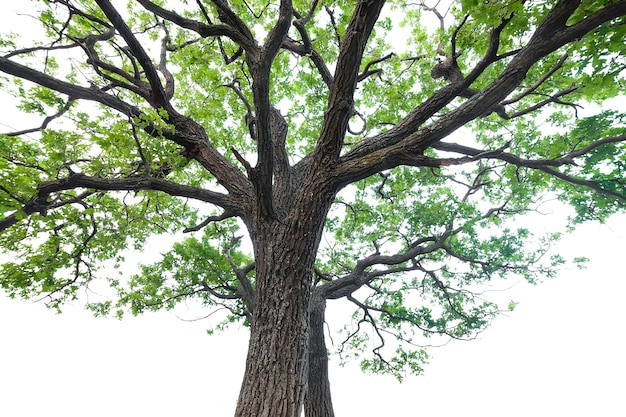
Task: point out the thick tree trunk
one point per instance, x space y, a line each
317 401
275 378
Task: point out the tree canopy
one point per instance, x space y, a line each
296 152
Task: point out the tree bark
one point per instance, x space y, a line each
275 377
318 400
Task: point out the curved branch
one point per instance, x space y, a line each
370 319
307 50
169 78
243 39
211 219
545 165
367 72
159 95
45 122
245 289
207 288
279 31
73 91
231 18
358 277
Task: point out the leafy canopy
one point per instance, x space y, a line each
142 123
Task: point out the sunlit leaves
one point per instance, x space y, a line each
424 241
193 268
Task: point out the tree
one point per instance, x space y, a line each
390 174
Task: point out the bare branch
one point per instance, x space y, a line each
211 219
552 99
333 22
307 50
169 78
249 117
367 72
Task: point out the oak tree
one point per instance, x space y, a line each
295 152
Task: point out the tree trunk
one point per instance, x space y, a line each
317 401
274 382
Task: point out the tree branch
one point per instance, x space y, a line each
545 165
404 143
260 66
243 39
158 95
73 91
358 277
135 184
245 289
341 96
538 83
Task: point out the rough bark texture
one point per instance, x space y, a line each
275 378
318 400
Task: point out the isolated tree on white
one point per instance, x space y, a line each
282 123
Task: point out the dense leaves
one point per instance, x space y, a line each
392 150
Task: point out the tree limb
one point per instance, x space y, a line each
243 39
158 94
545 165
404 143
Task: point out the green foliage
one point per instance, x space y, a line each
449 229
183 273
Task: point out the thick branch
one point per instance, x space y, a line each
73 91
159 96
244 40
260 67
341 96
420 114
403 143
231 18
135 184
278 33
